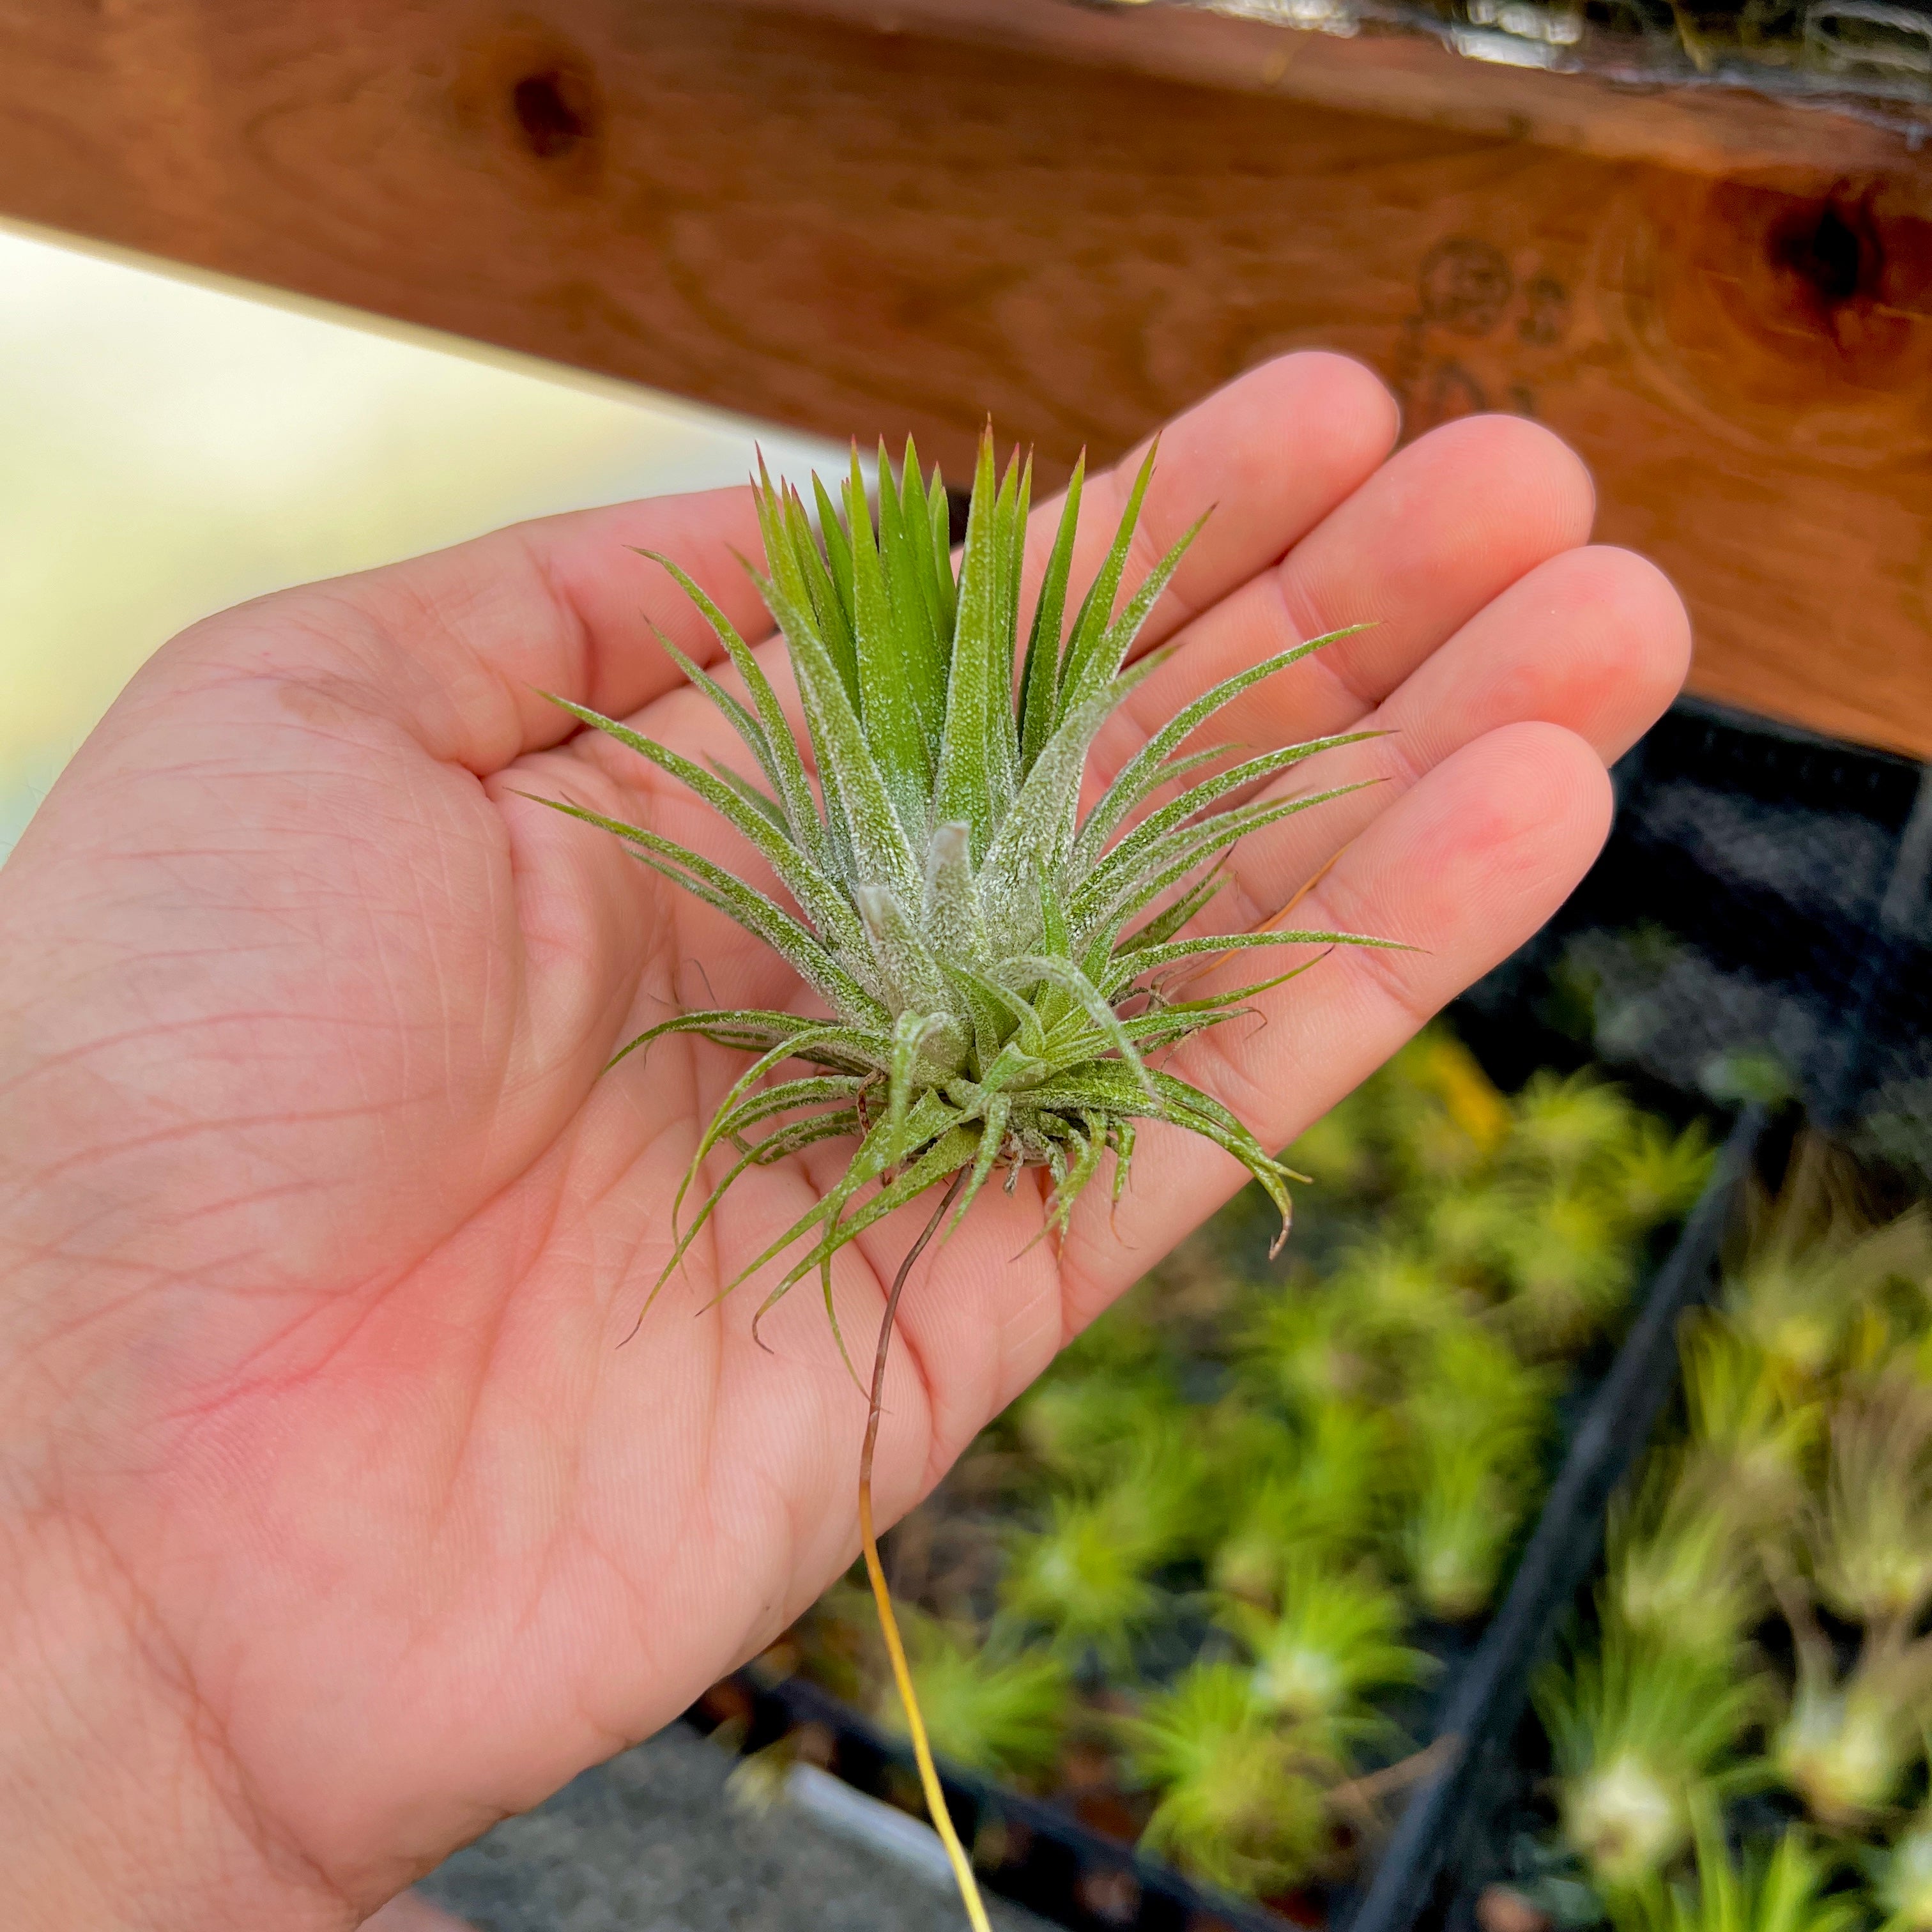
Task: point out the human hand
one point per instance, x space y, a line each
334 1525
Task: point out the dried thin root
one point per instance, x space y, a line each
928 1774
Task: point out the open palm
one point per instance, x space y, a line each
319 1230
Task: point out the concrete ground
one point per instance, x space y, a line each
652 1842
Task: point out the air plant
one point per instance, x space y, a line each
1748 1443
995 967
1076 1426
1636 1732
1238 1800
1306 1346
1570 1267
990 1706
993 1002
1565 1123
1085 1576
1805 1298
1476 1418
1655 1175
1846 1743
1469 1227
1901 1877
1468 1507
1681 1573
1327 1499
1399 1292
1336 1639
1782 1890
1443 1119
1871 1542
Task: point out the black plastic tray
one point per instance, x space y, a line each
1063 1869
1764 887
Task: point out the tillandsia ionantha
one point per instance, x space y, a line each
991 1706
1901 1877
1336 1639
1085 1576
1240 1796
996 968
1871 1556
1476 1416
1786 1889
1681 1571
1638 1731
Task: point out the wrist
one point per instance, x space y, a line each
120 1806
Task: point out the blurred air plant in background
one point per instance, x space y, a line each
1782 1889
1870 1539
1680 1569
1849 1738
1239 1798
1333 1643
1478 1417
1751 1444
1638 1732
1085 1576
1328 1500
989 1705
1901 1877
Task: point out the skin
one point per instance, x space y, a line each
334 1523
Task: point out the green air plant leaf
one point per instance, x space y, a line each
992 963
1871 1557
989 1709
1848 1742
1476 1417
1902 1877
1786 1889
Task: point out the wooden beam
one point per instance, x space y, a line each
862 232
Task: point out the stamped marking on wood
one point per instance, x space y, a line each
1474 341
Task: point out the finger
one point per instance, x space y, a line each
456 647
1270 455
1464 868
1445 526
1596 641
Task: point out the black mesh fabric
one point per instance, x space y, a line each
1758 927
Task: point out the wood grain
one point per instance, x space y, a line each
863 233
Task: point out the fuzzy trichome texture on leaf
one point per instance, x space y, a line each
998 968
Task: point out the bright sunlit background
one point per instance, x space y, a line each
173 446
